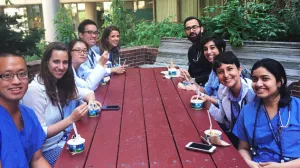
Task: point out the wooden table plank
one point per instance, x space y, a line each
86 128
181 124
132 145
104 149
161 147
224 156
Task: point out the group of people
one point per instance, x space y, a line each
258 114
36 118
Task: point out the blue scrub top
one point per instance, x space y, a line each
18 147
212 85
267 149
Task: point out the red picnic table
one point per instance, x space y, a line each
151 129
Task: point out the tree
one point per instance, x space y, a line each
12 38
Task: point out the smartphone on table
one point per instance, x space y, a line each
201 147
110 107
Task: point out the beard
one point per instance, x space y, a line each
194 37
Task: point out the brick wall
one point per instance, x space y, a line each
295 89
134 57
137 56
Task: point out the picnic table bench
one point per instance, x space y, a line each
151 128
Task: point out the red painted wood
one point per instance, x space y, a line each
224 156
161 147
104 150
132 145
86 128
181 124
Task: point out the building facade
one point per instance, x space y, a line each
41 13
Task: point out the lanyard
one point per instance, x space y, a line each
277 138
61 112
233 118
91 58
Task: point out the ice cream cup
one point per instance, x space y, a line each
196 104
172 71
94 110
76 144
105 80
185 83
208 133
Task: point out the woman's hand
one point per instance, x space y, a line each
253 164
118 70
185 74
79 112
270 164
104 58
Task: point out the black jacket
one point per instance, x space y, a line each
201 68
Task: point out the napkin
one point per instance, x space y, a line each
166 73
190 86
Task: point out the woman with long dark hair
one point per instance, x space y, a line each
50 93
110 41
269 127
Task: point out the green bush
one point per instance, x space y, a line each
150 33
291 16
123 19
238 22
14 39
64 25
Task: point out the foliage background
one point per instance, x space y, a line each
14 39
238 21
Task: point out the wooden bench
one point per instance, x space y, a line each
294 89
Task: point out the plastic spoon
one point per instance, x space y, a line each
75 130
210 124
166 65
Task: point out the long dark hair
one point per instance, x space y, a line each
59 90
275 68
104 45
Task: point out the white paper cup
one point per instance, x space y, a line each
172 71
94 109
76 145
208 133
196 104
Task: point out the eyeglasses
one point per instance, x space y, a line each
79 51
194 27
9 76
92 32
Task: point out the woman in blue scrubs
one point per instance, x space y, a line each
269 127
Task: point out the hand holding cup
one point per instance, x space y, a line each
79 112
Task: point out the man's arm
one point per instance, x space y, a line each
0 164
38 161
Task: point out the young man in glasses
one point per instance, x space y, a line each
199 67
21 134
88 32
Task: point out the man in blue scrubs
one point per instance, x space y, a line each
21 134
